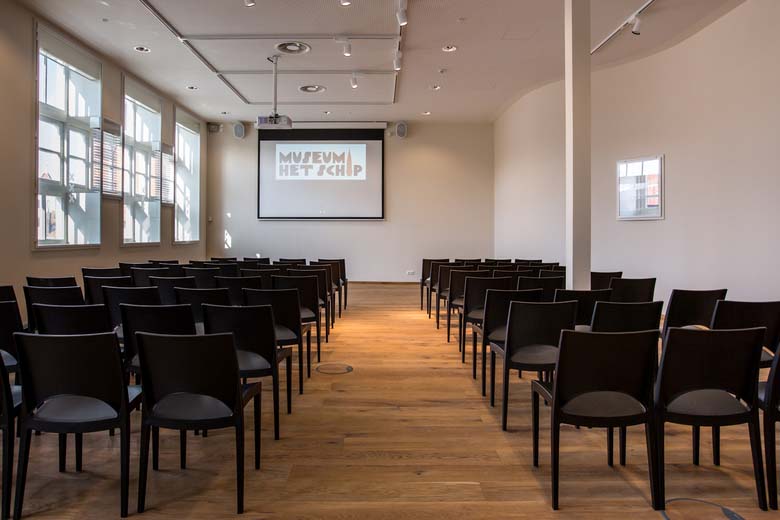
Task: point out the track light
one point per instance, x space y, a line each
401 16
397 61
345 3
353 80
249 3
637 22
347 48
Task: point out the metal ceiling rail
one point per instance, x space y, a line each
622 26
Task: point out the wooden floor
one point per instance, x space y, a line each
405 435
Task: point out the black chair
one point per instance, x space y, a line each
323 293
101 272
197 297
552 273
174 270
261 260
10 323
498 261
205 277
457 288
264 275
125 267
308 294
586 303
141 275
72 319
296 261
166 285
769 401
342 274
288 327
472 261
626 317
708 378
93 286
193 383
335 280
602 380
115 296
425 275
52 281
258 355
164 262
601 280
688 308
224 259
10 408
225 268
283 267
7 293
632 290
514 275
236 285
247 264
51 295
547 285
523 261
442 284
473 310
433 280
493 327
532 334
73 384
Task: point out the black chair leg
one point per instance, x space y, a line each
484 368
340 302
758 463
555 444
716 445
257 406
346 293
155 448
652 470
505 397
288 362
327 329
63 448
143 466
300 366
660 477
473 353
183 449
695 442
79 451
124 462
622 440
319 337
438 308
449 319
771 458
308 353
275 390
9 438
421 297
21 472
610 446
492 378
535 426
240 467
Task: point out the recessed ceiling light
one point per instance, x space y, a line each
142 49
312 89
435 87
345 3
347 50
225 113
192 87
326 112
426 113
249 3
353 80
449 48
293 47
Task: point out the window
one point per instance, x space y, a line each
68 144
187 179
141 166
111 158
168 169
640 188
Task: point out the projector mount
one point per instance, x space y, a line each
275 60
274 121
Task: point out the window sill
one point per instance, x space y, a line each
111 196
64 247
186 243
139 244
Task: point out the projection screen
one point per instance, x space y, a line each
320 174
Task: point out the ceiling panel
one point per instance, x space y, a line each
372 88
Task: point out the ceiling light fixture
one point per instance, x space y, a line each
435 87
192 87
225 113
293 47
637 22
142 49
449 48
249 3
426 113
347 51
397 61
326 112
353 80
312 89
400 14
345 3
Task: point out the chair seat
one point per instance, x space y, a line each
766 358
307 314
251 361
133 394
321 302
583 328
16 395
9 360
709 402
604 404
185 406
284 335
135 365
444 293
476 315
457 302
68 408
498 336
542 355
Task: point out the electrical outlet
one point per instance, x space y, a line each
410 273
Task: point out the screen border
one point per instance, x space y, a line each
323 134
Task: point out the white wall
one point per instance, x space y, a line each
438 203
711 105
17 170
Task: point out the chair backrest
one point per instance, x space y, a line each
524 261
164 262
458 280
283 267
695 359
174 270
497 304
425 270
205 365
72 319
476 289
232 259
772 392
626 317
744 315
93 286
263 260
551 273
7 293
469 260
251 263
537 324
82 364
51 281
6 397
586 302
264 275
236 284
443 278
284 302
252 327
160 319
103 272
435 268
548 285
141 275
125 267
115 296
601 280
51 295
197 297
632 290
204 276
333 271
606 362
10 323
504 273
532 271
691 307
337 272
307 286
323 278
498 260
167 284
342 265
296 261
225 268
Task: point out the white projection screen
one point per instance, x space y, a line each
320 174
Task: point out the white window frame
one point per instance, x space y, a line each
176 125
661 187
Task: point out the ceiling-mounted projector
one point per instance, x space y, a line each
274 121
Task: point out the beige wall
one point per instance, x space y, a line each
711 105
17 168
438 203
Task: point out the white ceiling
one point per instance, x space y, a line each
505 48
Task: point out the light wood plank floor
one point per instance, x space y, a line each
406 435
